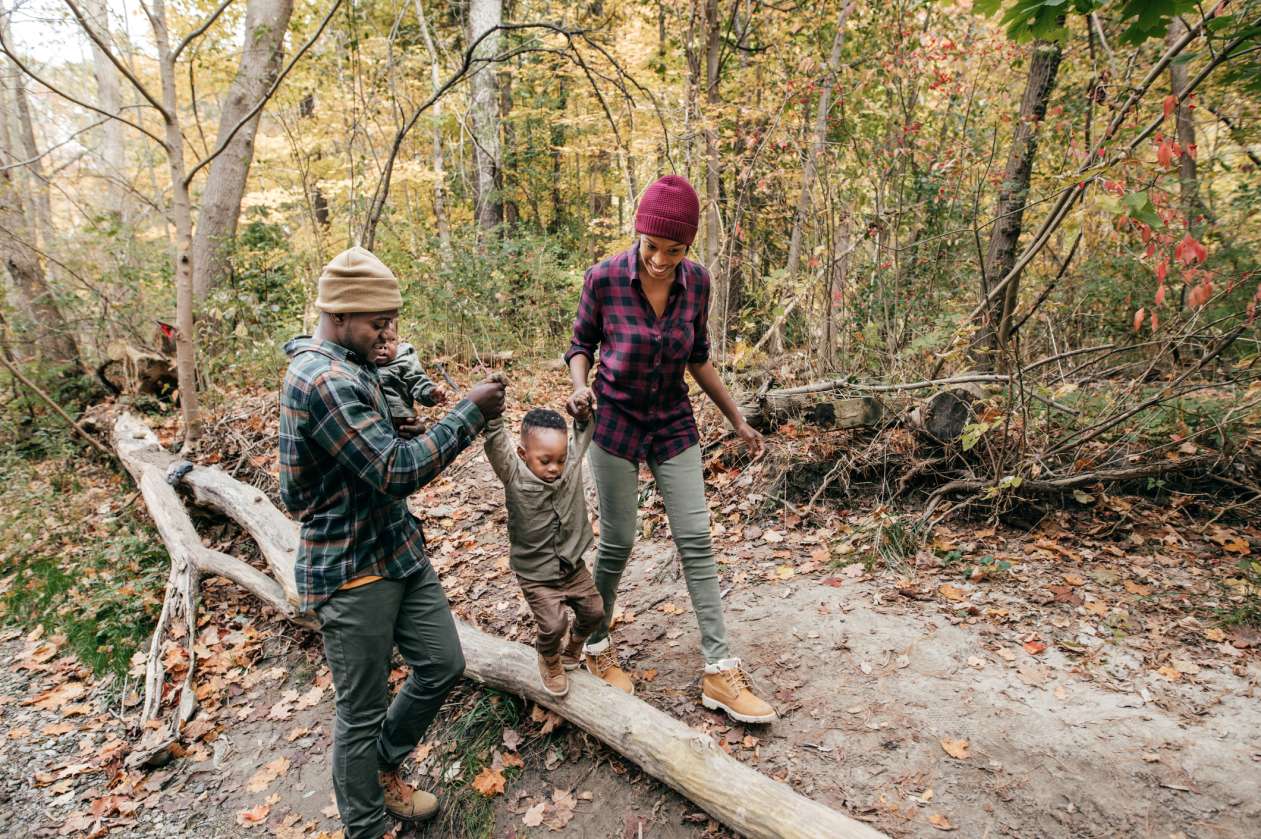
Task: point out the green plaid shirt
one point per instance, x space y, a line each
346 475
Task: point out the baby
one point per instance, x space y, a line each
549 531
403 380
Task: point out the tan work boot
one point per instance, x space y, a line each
571 653
405 802
726 687
602 662
555 681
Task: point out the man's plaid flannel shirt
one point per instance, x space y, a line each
346 475
644 409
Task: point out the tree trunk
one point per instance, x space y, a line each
1188 182
51 337
484 15
682 757
265 24
23 147
721 297
815 150
182 210
108 99
439 166
1009 209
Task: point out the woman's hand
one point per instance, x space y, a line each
752 439
580 403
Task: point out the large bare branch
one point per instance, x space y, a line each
16 59
266 97
109 53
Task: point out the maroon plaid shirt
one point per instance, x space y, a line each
644 410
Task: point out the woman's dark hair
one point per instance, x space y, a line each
542 418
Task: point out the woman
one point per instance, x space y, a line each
647 311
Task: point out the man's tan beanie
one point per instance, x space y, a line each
356 281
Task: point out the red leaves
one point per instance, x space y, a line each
1162 271
1171 102
1164 152
1189 251
1160 294
1139 317
1201 294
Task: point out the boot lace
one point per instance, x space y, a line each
737 679
606 660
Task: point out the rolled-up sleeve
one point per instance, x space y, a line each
587 329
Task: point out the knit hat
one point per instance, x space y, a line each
356 281
669 209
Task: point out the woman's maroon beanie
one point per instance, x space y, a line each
669 209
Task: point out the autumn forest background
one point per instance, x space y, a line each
976 264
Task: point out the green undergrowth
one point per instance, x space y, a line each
465 741
75 557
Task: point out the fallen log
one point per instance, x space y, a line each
682 757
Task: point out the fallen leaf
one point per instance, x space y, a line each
534 816
1170 673
958 749
489 782
268 773
1137 588
940 822
648 675
512 739
950 592
1034 647
254 815
1074 580
772 536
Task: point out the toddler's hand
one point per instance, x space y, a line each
580 403
441 395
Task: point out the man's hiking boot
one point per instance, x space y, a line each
404 802
726 687
602 662
555 681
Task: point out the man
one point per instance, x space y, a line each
361 564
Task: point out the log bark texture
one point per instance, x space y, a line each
682 757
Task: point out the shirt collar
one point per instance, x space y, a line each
335 351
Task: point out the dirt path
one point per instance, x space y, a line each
1076 694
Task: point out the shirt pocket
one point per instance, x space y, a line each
532 519
679 337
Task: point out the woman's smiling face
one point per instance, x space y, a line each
659 257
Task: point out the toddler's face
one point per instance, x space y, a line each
544 451
384 351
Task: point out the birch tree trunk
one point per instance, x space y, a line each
483 16
810 172
1013 195
108 99
182 211
1184 120
439 167
265 24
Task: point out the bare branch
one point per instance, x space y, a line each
122 68
382 191
205 24
52 149
4 47
265 98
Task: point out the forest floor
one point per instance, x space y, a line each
1096 675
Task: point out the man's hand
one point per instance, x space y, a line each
488 396
752 439
409 427
580 403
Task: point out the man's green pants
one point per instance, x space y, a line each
361 626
